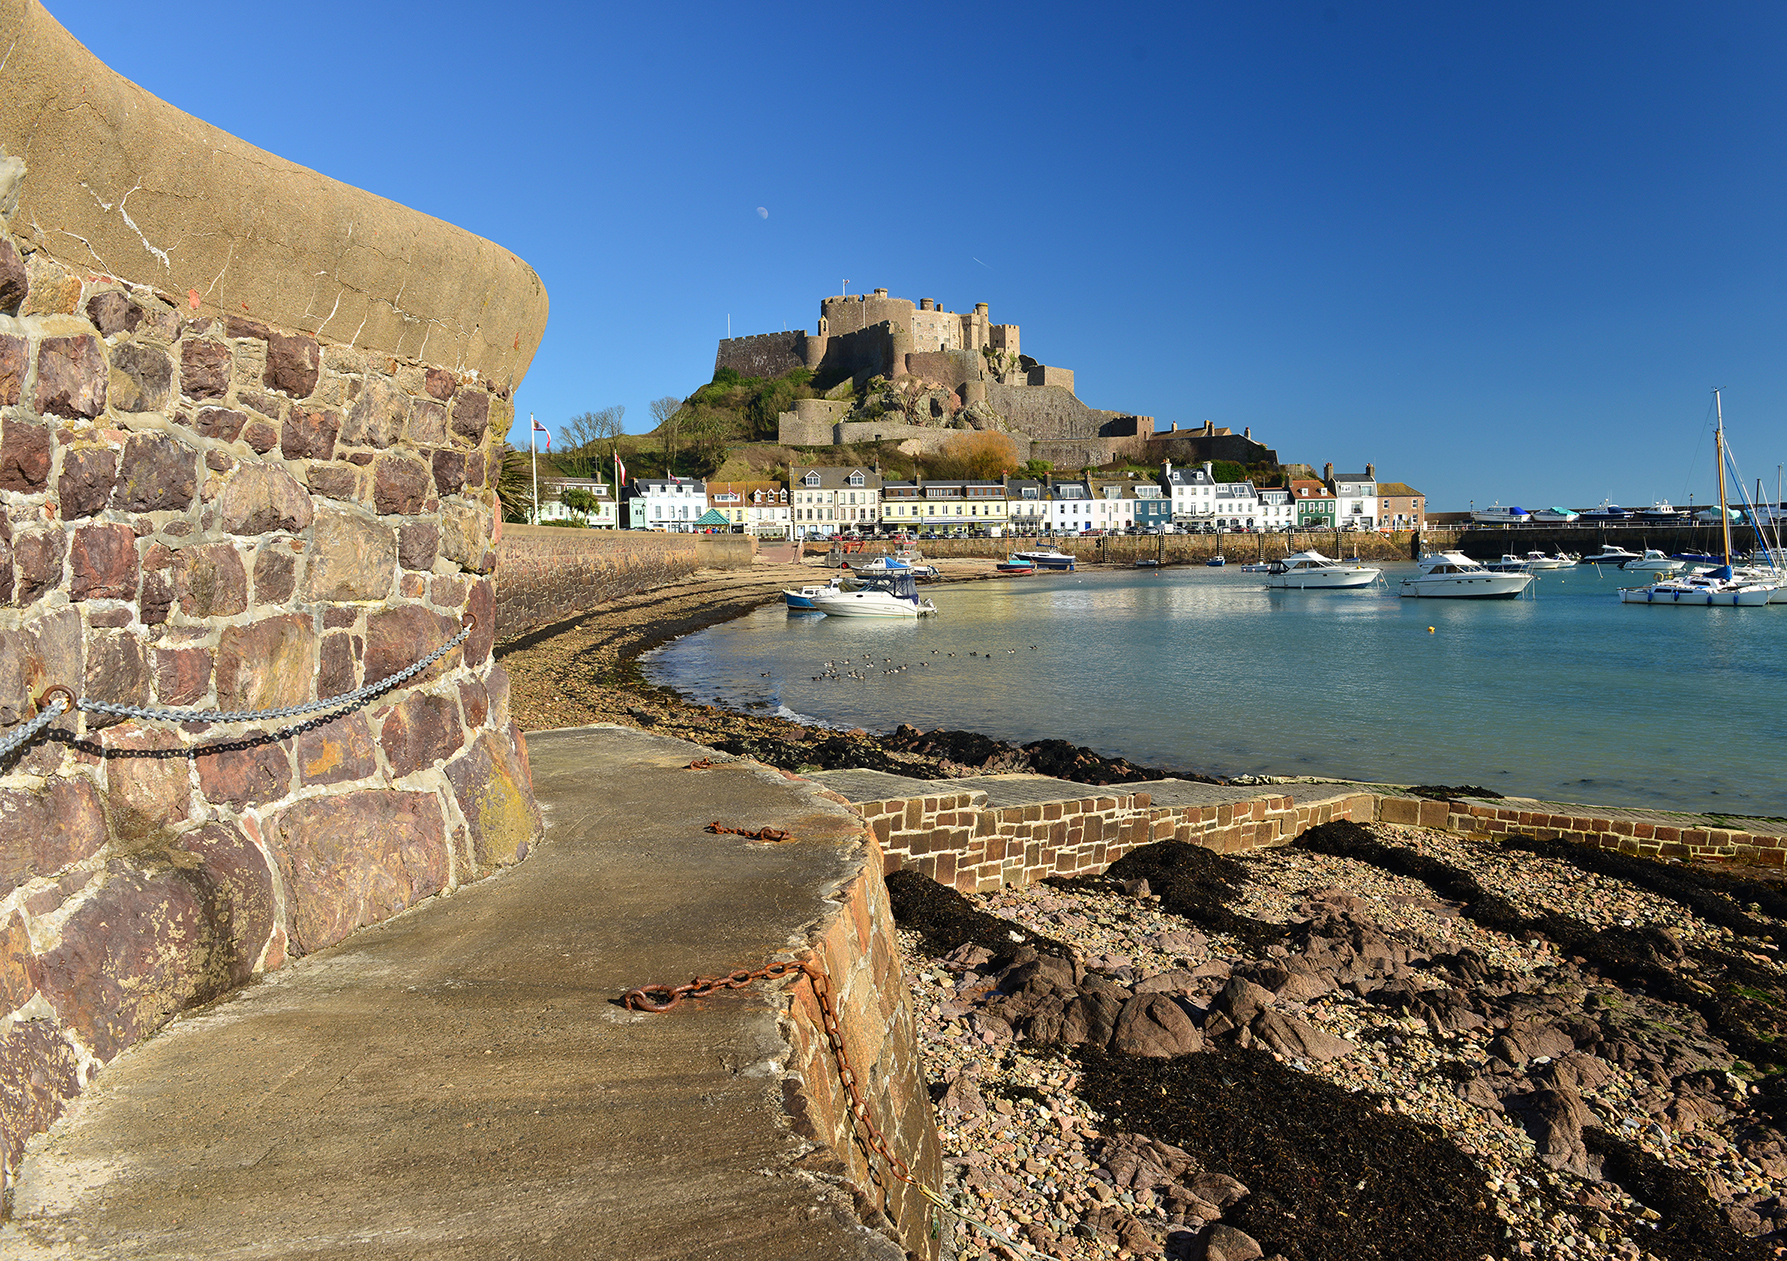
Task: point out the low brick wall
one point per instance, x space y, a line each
873 1001
957 839
552 573
1681 837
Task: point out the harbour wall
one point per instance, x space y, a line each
249 433
1126 549
550 573
1489 543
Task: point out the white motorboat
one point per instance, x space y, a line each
1455 576
1051 559
1539 560
802 597
1610 555
1662 510
1495 514
1654 562
1508 564
890 595
1721 588
1312 571
1257 567
897 564
1554 516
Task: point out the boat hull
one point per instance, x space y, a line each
1324 580
1742 598
1484 586
872 604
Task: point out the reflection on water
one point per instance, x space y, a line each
1569 696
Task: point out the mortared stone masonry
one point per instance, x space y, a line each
249 432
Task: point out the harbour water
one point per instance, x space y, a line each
1568 696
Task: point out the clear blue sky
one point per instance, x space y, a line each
1502 251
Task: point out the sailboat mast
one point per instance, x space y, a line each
1719 443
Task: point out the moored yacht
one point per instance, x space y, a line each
1051 559
802 597
1495 514
1720 588
1539 560
1554 516
1609 555
888 595
1654 562
1312 571
1455 576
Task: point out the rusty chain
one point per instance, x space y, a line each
761 834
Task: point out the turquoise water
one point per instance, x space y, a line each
1567 696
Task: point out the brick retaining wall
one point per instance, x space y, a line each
1650 834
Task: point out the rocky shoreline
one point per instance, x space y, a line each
1380 1042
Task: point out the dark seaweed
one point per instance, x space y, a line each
947 920
1692 1228
1193 882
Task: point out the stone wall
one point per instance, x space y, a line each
1649 833
957 839
234 473
550 574
763 354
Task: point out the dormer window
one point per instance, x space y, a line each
855 479
811 479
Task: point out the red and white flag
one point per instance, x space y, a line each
620 470
539 428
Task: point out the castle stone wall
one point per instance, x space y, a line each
953 368
763 354
1046 412
1042 374
234 473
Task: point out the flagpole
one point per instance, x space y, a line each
533 448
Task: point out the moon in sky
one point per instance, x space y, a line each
762 213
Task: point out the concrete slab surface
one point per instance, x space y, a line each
460 1083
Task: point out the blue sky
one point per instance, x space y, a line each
1501 251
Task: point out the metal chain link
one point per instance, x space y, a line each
53 709
360 694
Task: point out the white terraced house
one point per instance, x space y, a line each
597 511
1193 492
824 502
665 503
1113 506
1277 512
1237 506
1355 497
1027 506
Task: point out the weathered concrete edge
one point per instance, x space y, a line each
145 192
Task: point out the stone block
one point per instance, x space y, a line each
39 1073
85 484
338 753
71 377
398 637
245 777
12 369
141 378
335 667
156 474
19 972
266 664
493 792
55 290
117 672
222 423
421 730
400 485
440 383
418 543
470 415
135 954
309 433
15 281
376 419
102 563
182 676
474 703
293 364
204 369
42 832
147 794
465 534
337 481
239 884
261 499
211 580
351 558
428 423
24 456
275 576
113 313
355 859
448 467
261 435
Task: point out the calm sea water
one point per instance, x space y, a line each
1568 696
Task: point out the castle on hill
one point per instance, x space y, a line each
974 372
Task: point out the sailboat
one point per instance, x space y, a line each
1718 588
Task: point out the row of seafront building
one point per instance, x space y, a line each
827 501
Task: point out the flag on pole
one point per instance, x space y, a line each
539 428
620 470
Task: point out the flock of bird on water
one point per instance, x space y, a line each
850 670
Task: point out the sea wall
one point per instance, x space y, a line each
1489 543
550 573
249 421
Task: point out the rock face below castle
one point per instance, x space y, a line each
970 362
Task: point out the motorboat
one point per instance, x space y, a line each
1654 562
1455 576
802 597
1662 510
1539 560
1720 588
1053 558
1312 571
1609 555
888 595
1014 565
1554 516
1257 567
1508 564
1217 561
1697 558
1147 562
1606 514
895 564
1495 514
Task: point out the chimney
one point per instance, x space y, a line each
925 304
1209 470
1247 432
1168 470
1328 472
880 293
1371 472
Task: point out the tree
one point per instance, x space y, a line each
981 454
589 441
666 412
580 501
514 485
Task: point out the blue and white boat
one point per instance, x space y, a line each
1051 559
803 597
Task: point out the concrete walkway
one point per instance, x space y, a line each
459 1081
